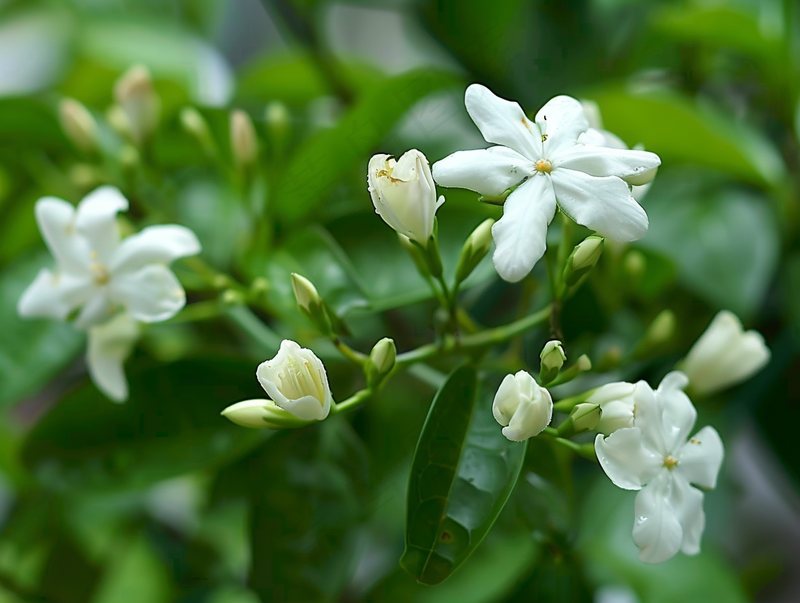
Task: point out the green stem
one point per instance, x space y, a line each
354 401
349 353
251 324
567 404
585 450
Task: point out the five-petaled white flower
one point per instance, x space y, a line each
109 345
657 457
724 355
589 183
297 382
522 407
98 274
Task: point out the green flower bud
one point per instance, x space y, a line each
310 303
262 414
635 264
279 123
138 101
244 143
381 361
552 359
78 124
660 332
582 259
196 126
585 417
475 249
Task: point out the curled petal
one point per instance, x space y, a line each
485 171
151 294
678 412
520 235
96 219
625 458
561 121
154 245
55 295
635 167
506 400
56 221
700 459
603 204
503 122
110 344
687 505
656 528
649 418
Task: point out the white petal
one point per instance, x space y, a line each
701 457
616 405
603 204
56 220
639 166
506 400
678 412
561 121
649 418
532 416
656 529
486 171
626 460
520 235
154 245
503 122
722 334
151 294
687 505
55 295
96 311
96 219
110 345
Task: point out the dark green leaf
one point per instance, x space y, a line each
463 472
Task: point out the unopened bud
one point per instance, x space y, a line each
381 361
232 298
136 96
585 417
660 331
552 359
129 158
310 303
278 122
84 176
244 144
475 249
635 264
259 286
119 121
262 414
196 126
582 259
78 124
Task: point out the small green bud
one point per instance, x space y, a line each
78 124
259 286
635 264
196 126
552 359
84 176
129 158
310 303
244 143
138 101
262 414
381 361
278 122
232 298
660 332
475 249
585 417
582 259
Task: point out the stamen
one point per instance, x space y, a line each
544 166
670 462
100 273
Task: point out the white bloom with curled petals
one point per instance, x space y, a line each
109 346
724 355
522 407
616 401
297 382
544 157
97 273
404 194
658 458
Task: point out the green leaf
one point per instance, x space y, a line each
462 474
306 493
169 426
25 122
322 161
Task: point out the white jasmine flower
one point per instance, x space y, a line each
98 274
552 169
657 457
296 381
522 407
404 194
724 355
616 401
110 344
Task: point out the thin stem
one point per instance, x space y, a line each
567 404
349 353
585 450
354 401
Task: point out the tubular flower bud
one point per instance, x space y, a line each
141 105
552 359
297 382
310 302
261 414
475 249
522 407
724 355
381 361
78 124
660 331
585 417
582 259
196 126
244 143
616 402
404 194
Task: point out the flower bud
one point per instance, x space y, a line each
141 105
278 122
78 124
196 126
584 417
582 259
310 303
404 194
724 355
635 264
552 359
244 143
381 361
417 254
616 402
475 249
261 414
660 331
522 407
297 382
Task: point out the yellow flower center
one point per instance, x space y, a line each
670 462
100 273
544 166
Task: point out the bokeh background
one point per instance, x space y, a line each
162 500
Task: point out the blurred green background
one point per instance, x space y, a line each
162 500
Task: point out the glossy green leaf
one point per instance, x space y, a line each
169 426
321 162
462 474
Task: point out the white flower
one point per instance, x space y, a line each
296 381
657 457
724 355
110 344
616 401
552 169
522 407
97 273
404 194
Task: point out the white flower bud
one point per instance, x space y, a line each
522 407
582 259
585 417
141 105
78 124
475 249
297 382
617 402
261 414
724 355
244 143
404 194
552 359
381 361
196 126
305 292
660 331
